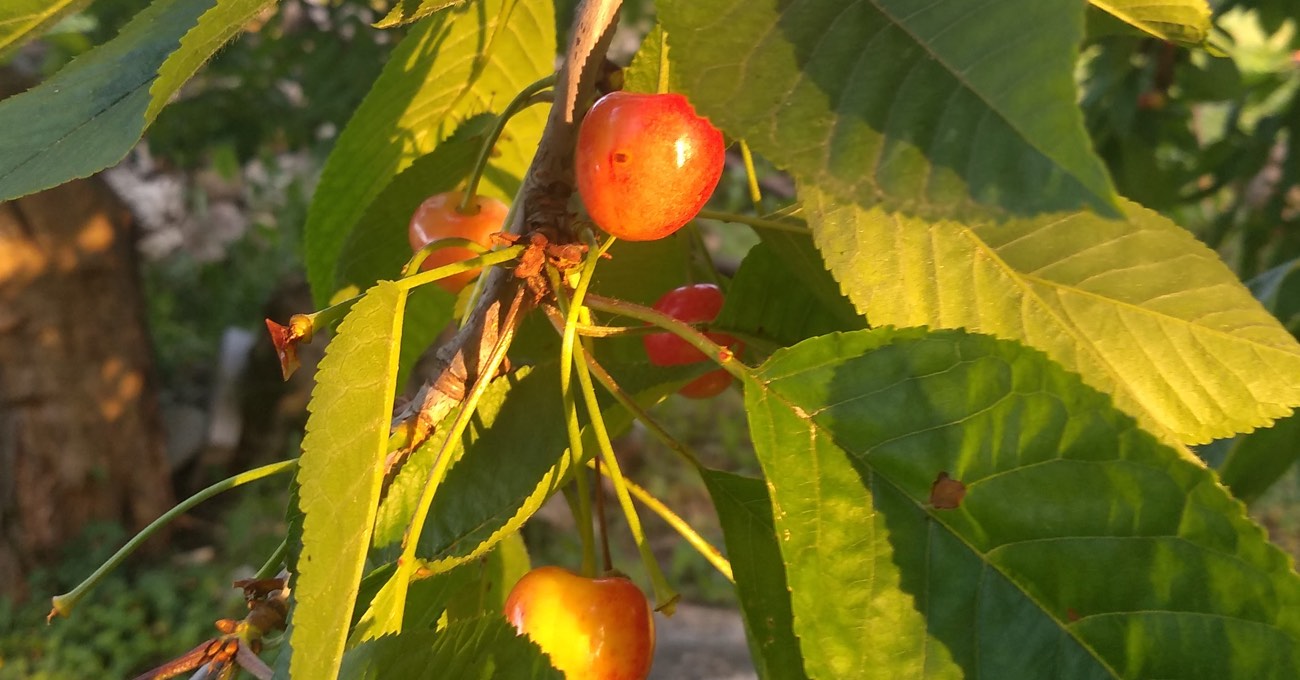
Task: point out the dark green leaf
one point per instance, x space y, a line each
88 116
1257 460
451 66
1083 548
766 300
340 474
745 513
1138 307
946 108
478 649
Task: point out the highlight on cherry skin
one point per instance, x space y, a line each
592 629
646 164
439 217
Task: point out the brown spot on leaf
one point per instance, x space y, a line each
946 493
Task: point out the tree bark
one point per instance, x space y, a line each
80 434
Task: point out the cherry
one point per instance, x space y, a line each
438 217
646 164
595 629
697 303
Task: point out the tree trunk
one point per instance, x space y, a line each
80 434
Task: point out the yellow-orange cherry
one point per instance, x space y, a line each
439 216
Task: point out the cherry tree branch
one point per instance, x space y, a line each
541 206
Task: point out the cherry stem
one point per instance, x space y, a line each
63 604
590 331
272 565
755 194
521 101
600 518
582 507
721 355
407 563
665 597
607 381
413 265
486 260
684 529
662 86
756 222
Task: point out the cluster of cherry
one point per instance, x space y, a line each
646 164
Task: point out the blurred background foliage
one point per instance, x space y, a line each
1212 140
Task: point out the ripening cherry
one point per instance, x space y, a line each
697 303
646 164
439 217
593 629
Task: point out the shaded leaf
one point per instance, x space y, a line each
91 113
22 20
479 648
340 475
1083 547
745 513
768 301
1139 307
1257 460
1182 21
422 602
946 108
450 66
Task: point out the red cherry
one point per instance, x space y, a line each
646 164
710 384
698 303
438 217
595 629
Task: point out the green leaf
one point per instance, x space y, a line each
406 11
22 20
399 503
943 108
422 601
378 245
1257 460
450 67
642 75
482 648
1083 548
89 115
1139 307
767 300
745 513
1181 21
505 476
340 474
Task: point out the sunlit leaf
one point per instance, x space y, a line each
1139 307
450 66
1183 21
340 474
22 20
